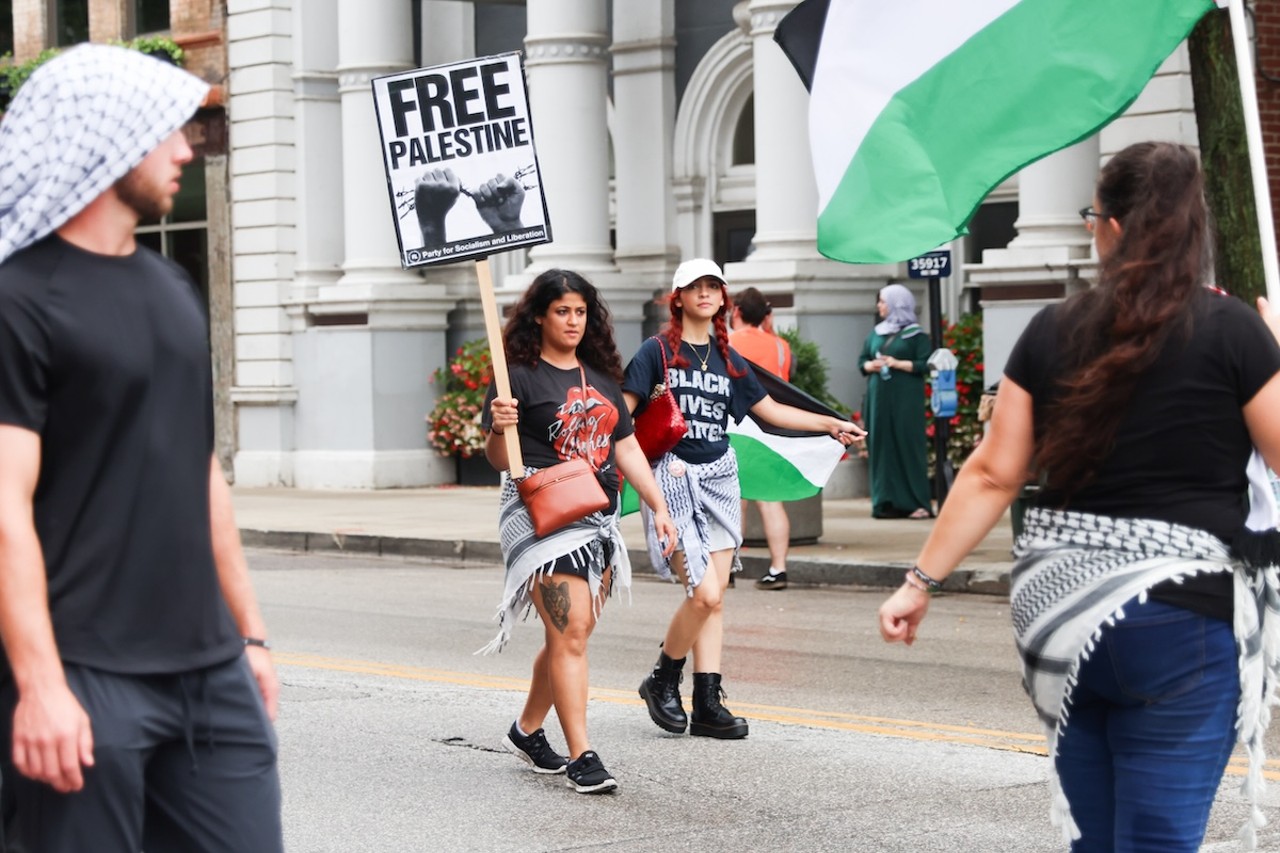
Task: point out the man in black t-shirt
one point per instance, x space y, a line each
137 692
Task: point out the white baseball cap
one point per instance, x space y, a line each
692 270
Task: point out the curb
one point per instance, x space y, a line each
988 581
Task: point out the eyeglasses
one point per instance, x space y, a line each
1091 216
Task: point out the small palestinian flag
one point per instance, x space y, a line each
776 464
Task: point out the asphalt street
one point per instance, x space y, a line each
391 728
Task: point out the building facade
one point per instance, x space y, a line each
666 129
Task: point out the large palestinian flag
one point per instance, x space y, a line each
776 464
918 108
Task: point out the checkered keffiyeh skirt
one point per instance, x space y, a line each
1076 571
528 557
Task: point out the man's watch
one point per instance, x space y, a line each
256 641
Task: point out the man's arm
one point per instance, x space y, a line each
237 589
52 735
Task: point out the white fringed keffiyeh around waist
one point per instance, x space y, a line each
81 122
1076 571
528 557
696 495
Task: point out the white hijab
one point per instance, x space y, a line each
902 309
81 122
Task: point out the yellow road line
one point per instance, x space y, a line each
997 739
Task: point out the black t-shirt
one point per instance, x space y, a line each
107 359
707 398
1182 446
558 422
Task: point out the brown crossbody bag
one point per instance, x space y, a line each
563 493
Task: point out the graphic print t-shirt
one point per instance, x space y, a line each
559 422
707 398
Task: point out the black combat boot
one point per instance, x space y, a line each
710 718
661 692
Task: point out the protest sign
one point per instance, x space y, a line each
457 144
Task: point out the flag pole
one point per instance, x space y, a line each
1257 155
493 329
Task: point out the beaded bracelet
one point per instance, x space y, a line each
933 585
911 581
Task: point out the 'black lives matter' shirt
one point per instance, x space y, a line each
707 398
107 359
558 421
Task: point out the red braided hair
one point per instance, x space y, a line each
673 333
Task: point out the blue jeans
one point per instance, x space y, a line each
1152 724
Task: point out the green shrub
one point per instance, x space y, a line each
13 75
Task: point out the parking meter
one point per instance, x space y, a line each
944 400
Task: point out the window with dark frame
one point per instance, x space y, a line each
6 27
183 235
150 16
70 23
744 135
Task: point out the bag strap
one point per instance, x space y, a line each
662 348
583 373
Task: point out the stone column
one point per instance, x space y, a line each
365 345
318 123
1043 263
565 49
263 219
786 194
1052 255
644 117
448 35
833 303
375 37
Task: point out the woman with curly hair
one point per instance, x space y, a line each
1146 615
566 402
699 481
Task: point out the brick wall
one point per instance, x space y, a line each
1268 77
197 25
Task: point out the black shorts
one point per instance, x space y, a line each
182 763
567 565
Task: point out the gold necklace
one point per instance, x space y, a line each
699 356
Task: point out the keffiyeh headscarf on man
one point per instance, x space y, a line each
902 309
81 122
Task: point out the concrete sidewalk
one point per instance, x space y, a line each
460 524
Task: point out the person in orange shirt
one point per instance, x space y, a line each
754 339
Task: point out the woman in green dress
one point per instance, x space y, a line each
893 360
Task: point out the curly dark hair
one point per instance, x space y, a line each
522 336
1111 334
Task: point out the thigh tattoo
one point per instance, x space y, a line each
555 598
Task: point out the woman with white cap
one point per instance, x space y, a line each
699 481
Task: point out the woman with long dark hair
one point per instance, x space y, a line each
699 481
558 336
1143 609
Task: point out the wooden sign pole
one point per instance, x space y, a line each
493 329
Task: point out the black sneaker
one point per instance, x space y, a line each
587 775
535 750
772 581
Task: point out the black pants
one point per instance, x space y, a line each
181 763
